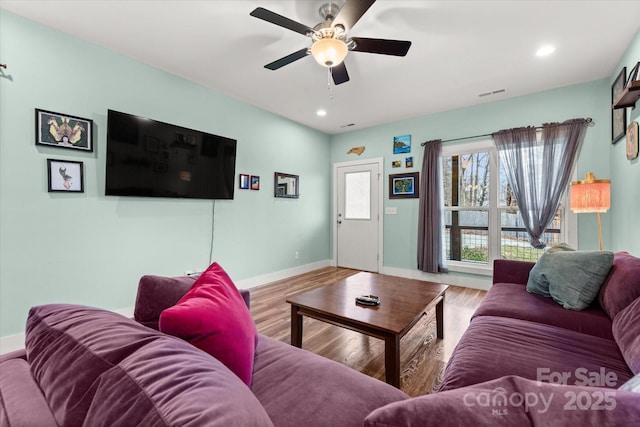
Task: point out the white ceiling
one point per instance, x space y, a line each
460 49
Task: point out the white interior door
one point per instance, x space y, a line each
357 217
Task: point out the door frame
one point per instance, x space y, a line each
334 207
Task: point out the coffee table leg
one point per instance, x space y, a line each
392 360
440 318
296 327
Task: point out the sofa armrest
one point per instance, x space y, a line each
511 271
246 296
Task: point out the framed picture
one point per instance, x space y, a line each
408 162
618 115
401 144
255 182
63 130
404 185
65 176
632 141
396 164
244 181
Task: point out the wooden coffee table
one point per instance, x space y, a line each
403 302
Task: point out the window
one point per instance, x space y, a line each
482 220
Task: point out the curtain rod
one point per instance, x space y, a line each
588 120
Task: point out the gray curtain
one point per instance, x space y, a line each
539 172
430 219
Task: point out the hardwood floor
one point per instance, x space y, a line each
423 356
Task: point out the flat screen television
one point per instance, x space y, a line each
148 158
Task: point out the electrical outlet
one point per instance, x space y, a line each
297 255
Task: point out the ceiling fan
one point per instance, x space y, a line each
330 42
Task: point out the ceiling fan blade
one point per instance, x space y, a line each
381 46
274 18
288 59
351 13
339 74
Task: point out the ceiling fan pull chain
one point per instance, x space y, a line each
329 81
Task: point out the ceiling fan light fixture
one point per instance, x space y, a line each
329 51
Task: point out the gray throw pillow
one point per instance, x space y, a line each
573 278
541 287
632 385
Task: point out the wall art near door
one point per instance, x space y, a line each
618 115
244 181
65 176
408 162
255 182
401 144
63 130
632 141
404 185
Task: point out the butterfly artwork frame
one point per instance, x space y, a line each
65 176
63 131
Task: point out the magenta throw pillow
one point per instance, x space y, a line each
213 317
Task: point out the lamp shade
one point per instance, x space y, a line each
329 52
590 195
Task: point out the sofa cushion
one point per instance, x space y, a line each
573 278
513 301
317 391
21 400
626 330
156 294
99 368
530 350
537 282
213 317
622 286
513 401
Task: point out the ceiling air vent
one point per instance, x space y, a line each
493 92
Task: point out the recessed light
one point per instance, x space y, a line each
321 113
545 50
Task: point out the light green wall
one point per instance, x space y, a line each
583 100
625 175
91 249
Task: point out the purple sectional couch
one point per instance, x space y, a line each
91 367
524 360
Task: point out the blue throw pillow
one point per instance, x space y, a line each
539 285
573 278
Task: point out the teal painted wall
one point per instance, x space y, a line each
625 175
583 100
91 249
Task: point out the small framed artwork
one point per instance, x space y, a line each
401 144
396 164
618 115
408 162
404 185
65 176
244 182
632 141
255 182
63 130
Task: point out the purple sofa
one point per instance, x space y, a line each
91 367
85 366
525 360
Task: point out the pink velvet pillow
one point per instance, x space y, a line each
213 317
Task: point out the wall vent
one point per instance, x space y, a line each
493 92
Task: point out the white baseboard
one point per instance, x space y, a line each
465 281
280 275
9 343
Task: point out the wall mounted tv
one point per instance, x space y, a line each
147 158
